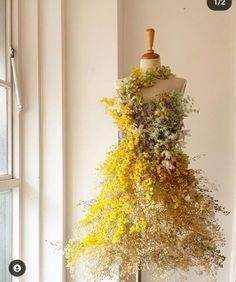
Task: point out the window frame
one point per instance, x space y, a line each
10 181
11 178
8 85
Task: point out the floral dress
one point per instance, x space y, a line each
154 211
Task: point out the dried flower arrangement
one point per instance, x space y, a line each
153 209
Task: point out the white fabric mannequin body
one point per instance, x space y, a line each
150 60
147 61
173 83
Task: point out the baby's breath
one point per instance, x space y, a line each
153 211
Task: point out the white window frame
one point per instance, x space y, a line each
11 86
10 181
7 84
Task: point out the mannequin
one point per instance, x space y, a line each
151 59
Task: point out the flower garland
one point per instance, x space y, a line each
153 209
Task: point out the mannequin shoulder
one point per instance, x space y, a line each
173 83
177 83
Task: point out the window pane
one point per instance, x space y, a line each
5 234
3 131
3 39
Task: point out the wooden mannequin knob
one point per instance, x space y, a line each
150 32
150 39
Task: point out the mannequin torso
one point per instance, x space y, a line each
173 83
149 60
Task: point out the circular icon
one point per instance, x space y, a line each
17 268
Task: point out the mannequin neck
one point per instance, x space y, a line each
149 63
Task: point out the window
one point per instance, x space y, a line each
5 234
3 132
3 92
8 183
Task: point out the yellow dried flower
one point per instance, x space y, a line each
153 210
135 72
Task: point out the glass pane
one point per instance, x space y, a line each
3 131
3 39
5 234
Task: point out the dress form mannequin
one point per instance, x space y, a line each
151 59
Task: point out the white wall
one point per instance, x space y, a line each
51 78
39 52
198 45
27 51
91 70
53 118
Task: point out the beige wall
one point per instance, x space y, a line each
39 54
198 45
91 70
